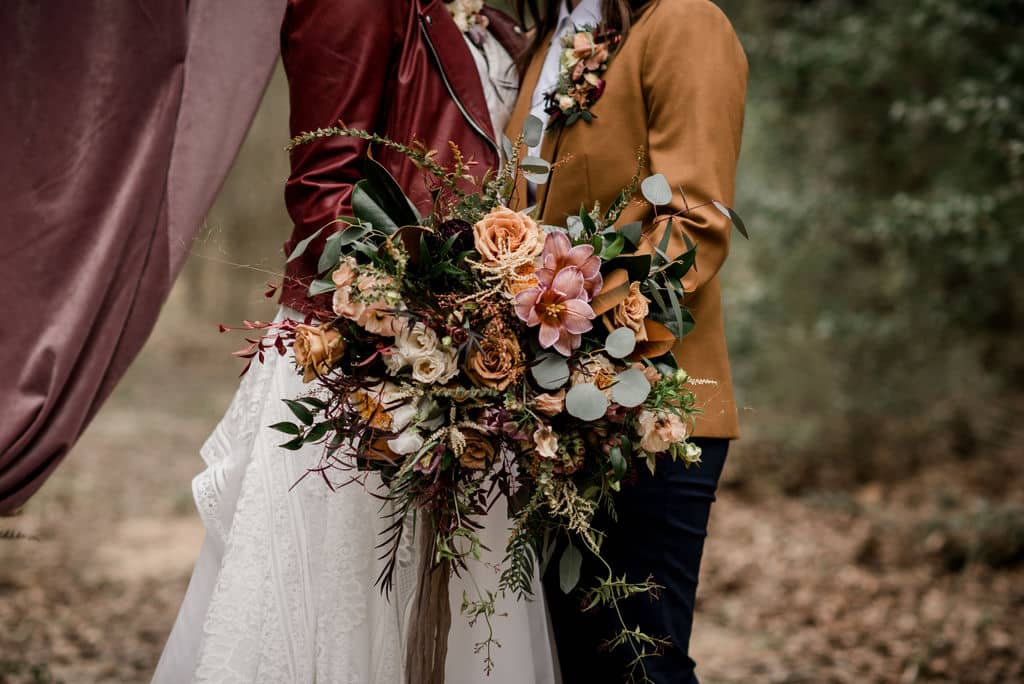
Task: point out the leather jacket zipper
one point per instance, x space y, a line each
451 91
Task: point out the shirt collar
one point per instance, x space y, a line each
587 12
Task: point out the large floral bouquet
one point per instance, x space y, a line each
473 356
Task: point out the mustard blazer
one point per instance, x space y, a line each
677 88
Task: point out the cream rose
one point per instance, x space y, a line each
507 237
317 349
436 368
632 311
545 442
550 404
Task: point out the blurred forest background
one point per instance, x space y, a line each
870 526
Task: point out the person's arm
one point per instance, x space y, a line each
695 79
338 58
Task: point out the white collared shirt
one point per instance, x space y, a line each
587 12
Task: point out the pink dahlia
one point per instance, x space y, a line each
560 308
559 254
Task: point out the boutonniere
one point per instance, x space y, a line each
585 56
469 17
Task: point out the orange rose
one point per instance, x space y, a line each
507 237
631 312
317 349
524 279
495 363
478 452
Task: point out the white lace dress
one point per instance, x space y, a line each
283 590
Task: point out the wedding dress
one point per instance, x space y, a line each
284 587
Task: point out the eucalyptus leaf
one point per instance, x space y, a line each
535 170
319 287
574 227
586 402
533 131
656 190
303 245
631 388
620 343
332 252
618 461
506 147
552 372
733 216
569 568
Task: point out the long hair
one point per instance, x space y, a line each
618 14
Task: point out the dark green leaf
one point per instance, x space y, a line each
638 266
614 249
314 402
389 195
588 223
366 208
332 252
300 411
303 245
294 445
318 432
286 428
569 568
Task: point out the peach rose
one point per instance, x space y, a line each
344 278
524 279
478 452
632 311
659 431
317 349
652 374
507 237
550 404
495 363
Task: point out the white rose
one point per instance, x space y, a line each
416 341
409 442
429 369
565 103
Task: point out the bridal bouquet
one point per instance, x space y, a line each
474 357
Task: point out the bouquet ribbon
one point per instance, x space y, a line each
431 616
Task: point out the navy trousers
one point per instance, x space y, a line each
660 531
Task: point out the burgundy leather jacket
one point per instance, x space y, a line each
396 67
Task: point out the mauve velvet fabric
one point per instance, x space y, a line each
119 120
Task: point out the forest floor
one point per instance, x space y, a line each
917 581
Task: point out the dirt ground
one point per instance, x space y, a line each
914 582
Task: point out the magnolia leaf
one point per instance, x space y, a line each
300 411
352 233
633 232
389 194
631 388
732 216
552 372
614 290
535 170
366 208
620 343
303 245
656 190
569 568
586 402
319 287
614 249
533 131
638 266
618 461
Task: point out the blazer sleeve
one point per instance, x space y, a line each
338 57
694 81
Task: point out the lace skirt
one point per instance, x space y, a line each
284 587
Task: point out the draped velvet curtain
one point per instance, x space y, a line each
119 120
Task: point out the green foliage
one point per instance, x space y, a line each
884 161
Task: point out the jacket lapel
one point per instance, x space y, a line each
448 47
515 124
